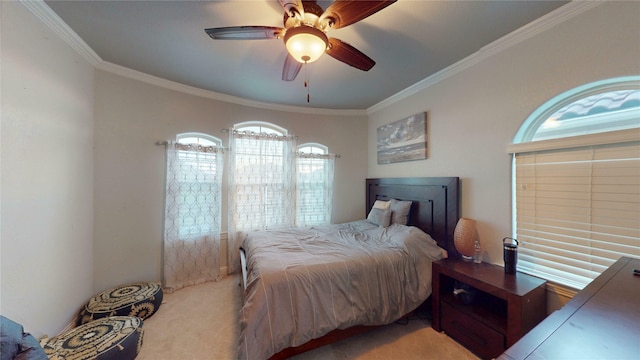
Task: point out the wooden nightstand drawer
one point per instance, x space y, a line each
477 337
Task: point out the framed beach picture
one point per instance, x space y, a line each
403 140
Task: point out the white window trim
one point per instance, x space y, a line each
610 137
540 115
324 148
208 137
264 124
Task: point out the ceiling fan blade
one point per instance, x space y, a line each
342 13
293 8
291 68
349 55
244 32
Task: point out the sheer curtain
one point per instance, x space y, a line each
314 180
192 215
261 186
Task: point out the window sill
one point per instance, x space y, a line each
561 290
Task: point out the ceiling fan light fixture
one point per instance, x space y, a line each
305 43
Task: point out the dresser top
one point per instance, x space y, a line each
601 321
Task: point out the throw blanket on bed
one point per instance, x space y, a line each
305 282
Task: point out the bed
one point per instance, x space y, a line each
306 287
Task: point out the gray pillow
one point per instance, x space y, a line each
380 217
400 211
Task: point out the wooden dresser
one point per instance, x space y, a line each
601 322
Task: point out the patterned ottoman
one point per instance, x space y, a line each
117 338
138 299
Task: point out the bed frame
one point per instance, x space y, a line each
435 207
435 210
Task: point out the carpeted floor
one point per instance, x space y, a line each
200 323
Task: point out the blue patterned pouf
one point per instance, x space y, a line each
140 299
110 338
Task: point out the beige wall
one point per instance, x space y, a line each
475 113
47 175
129 169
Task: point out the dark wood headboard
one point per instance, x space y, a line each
435 207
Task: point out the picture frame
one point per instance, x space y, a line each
403 140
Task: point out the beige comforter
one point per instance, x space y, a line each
305 282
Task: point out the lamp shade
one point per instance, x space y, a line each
465 236
305 43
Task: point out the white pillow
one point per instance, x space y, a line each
379 204
380 217
399 211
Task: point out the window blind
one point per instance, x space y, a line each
314 187
577 210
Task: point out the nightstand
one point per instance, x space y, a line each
494 310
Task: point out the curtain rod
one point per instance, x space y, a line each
229 130
165 143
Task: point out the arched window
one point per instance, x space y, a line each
262 157
315 167
198 139
193 205
598 107
576 182
313 148
261 181
197 171
260 127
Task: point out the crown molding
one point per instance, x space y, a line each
535 27
47 16
171 85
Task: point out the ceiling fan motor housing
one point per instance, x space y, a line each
311 14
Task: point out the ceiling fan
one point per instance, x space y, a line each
305 32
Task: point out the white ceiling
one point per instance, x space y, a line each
409 40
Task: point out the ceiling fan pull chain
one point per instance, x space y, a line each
306 79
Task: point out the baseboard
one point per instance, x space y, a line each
561 290
72 325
